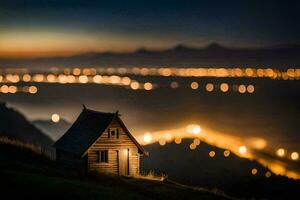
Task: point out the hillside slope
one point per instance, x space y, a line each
14 125
30 176
52 130
231 174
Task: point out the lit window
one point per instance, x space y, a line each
113 133
102 156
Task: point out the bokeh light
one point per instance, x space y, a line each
242 150
280 152
55 118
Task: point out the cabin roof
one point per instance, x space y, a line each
87 128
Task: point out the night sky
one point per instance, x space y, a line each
40 27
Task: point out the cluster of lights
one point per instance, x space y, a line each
223 87
231 145
81 79
281 152
250 72
12 89
254 172
195 143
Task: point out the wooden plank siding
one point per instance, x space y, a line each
113 145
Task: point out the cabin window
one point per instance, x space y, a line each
102 156
113 133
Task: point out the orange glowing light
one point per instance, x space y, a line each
162 142
280 152
209 87
32 89
224 87
55 118
76 71
268 174
115 79
26 77
97 79
196 141
193 128
38 77
250 88
212 154
51 78
83 79
4 89
294 156
226 153
126 81
242 89
193 146
178 140
147 138
12 89
254 171
135 85
148 86
242 150
194 85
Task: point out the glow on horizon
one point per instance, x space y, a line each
42 43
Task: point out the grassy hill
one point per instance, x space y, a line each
230 174
14 125
27 174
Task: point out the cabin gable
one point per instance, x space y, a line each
115 140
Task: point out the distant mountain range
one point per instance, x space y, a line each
52 130
179 56
15 126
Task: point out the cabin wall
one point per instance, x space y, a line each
113 145
70 160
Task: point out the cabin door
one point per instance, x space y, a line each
124 162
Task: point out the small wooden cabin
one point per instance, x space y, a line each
99 141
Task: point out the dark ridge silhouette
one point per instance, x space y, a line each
51 129
15 126
281 56
231 174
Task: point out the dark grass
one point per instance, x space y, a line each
27 175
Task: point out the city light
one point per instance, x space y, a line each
268 174
254 171
294 156
194 85
178 140
148 86
226 153
147 138
224 87
55 118
209 87
280 152
212 154
193 128
242 150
